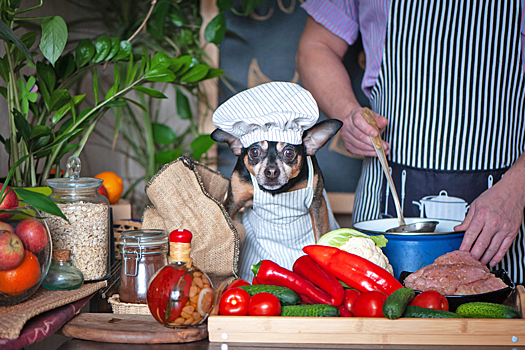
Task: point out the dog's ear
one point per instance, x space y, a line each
319 134
222 136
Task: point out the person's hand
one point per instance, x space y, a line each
492 223
356 133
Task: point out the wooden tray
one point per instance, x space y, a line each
127 328
361 330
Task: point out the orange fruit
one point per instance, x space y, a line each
113 184
21 278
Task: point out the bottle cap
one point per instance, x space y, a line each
180 236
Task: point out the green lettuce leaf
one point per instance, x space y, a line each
337 238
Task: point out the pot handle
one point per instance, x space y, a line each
421 206
443 193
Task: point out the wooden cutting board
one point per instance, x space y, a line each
126 328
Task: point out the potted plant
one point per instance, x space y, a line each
47 119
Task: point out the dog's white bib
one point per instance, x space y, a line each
278 226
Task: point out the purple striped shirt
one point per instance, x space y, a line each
346 18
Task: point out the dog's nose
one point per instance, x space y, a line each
272 172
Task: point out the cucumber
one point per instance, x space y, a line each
422 312
478 309
316 310
285 295
397 302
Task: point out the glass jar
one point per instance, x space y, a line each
180 294
62 275
143 253
86 234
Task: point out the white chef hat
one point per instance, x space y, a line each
276 111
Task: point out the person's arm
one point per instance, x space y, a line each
494 218
319 63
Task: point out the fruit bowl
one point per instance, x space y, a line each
25 254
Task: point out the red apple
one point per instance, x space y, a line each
6 227
102 190
10 201
33 234
11 251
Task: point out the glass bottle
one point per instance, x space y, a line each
62 275
143 253
180 294
86 234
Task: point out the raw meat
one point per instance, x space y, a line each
455 273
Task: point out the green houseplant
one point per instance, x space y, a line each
47 119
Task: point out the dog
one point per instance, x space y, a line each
279 167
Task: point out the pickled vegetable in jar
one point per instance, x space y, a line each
143 253
180 294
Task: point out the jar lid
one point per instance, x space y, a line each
145 237
73 181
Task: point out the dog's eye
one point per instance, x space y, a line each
254 152
288 153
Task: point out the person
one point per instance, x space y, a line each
445 80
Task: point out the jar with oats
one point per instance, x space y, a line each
86 234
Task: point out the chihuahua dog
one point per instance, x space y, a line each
279 167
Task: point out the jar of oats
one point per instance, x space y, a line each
86 234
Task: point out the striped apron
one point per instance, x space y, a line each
278 226
452 88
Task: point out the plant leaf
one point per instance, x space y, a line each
150 92
250 5
183 106
201 145
168 156
216 29
58 99
124 51
39 201
102 48
4 69
84 52
224 5
8 35
163 134
162 75
115 46
75 101
54 38
65 66
160 61
3 91
47 75
213 73
39 131
28 39
181 64
22 126
196 73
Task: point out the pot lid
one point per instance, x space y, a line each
379 226
444 198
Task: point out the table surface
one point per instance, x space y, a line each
206 345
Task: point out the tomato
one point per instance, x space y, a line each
350 297
239 282
234 302
431 299
264 304
369 304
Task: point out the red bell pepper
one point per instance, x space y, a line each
354 270
307 268
268 272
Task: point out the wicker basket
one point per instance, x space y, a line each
127 308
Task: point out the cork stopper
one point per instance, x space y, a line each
180 246
61 254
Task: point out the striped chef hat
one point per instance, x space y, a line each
276 111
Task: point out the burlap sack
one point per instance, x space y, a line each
188 195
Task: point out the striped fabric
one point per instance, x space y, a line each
276 111
278 226
346 18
